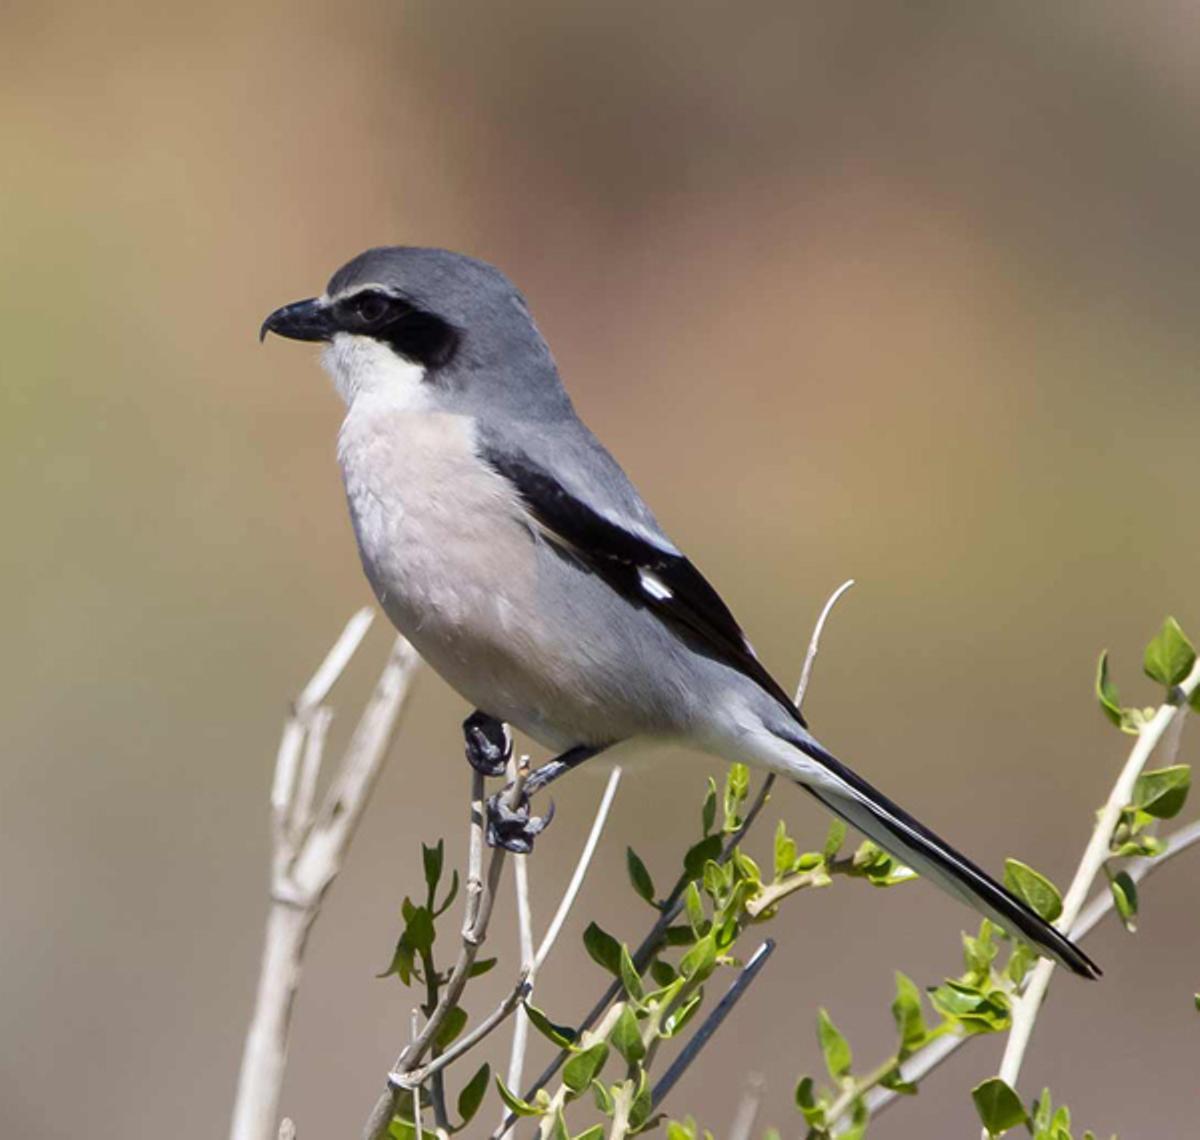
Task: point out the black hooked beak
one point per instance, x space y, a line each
302 320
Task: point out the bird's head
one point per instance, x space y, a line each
446 326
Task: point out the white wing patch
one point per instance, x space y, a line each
653 585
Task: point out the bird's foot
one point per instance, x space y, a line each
489 743
514 828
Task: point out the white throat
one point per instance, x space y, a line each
362 365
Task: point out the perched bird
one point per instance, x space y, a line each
510 548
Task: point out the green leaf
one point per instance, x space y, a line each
834 839
694 906
480 966
626 1037
579 1071
419 929
662 972
998 1106
596 1132
785 851
403 958
678 1018
1106 692
975 1010
432 858
604 949
454 1024
451 894
812 1111
1169 657
834 1046
737 788
1033 888
1163 791
562 1035
699 961
515 1103
1125 897
699 854
639 1111
708 813
471 1096
604 1099
639 876
631 980
1196 999
401 1130
906 1012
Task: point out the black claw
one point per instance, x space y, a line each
489 743
515 829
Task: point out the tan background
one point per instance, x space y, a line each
904 292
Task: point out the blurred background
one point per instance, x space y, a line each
899 292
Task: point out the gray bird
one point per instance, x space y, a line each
509 547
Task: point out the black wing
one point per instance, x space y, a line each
663 581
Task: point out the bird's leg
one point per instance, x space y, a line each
515 828
489 743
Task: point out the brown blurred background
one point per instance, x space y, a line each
904 292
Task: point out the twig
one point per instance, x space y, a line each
1025 1010
920 1064
674 903
307 855
520 1037
713 1021
744 1120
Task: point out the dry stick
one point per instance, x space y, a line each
674 903
1025 1010
921 1063
307 854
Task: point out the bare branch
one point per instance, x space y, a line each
307 856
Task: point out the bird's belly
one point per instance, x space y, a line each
446 547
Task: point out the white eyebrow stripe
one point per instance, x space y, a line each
653 585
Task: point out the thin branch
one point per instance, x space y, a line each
1025 1010
744 1120
929 1057
520 1036
814 644
723 1008
307 856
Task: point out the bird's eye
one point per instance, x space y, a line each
370 307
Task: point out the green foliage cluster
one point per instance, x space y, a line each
604 1087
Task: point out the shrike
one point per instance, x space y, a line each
509 547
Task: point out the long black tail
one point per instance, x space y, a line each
848 795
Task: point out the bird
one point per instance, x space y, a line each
511 549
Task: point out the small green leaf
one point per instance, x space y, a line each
432 858
579 1071
737 788
806 1101
834 839
626 1037
631 980
596 1132
699 961
402 962
1163 791
451 894
699 854
515 1103
419 929
603 947
451 1027
998 1106
678 1018
604 1099
1125 897
1033 889
906 1011
1106 692
480 966
1196 999
562 1036
401 1130
1169 657
639 1111
662 972
471 1096
694 906
639 876
708 814
785 851
834 1046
